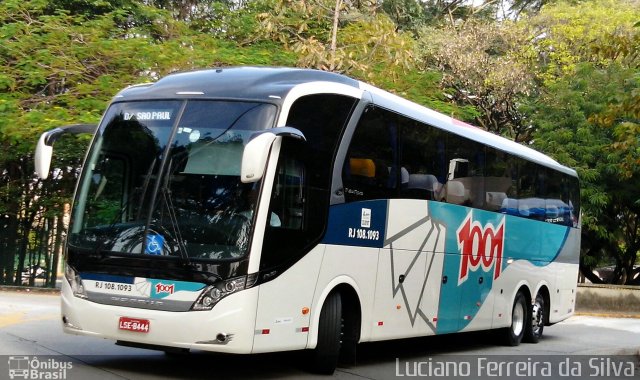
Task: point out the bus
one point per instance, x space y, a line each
248 210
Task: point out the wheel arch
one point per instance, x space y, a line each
523 287
351 306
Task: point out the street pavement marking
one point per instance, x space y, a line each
11 319
19 318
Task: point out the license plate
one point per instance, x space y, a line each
109 287
134 324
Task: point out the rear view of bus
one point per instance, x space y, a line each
251 210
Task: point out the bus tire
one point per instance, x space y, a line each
324 358
533 331
515 332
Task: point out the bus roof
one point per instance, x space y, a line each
242 83
273 84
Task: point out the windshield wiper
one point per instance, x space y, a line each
162 170
177 235
147 179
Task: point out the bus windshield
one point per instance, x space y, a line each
163 178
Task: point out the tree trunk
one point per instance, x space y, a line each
8 245
588 273
334 35
57 246
22 251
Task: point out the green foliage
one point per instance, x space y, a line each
337 36
587 116
565 32
562 117
622 113
406 14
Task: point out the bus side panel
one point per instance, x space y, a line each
489 257
281 304
567 279
565 293
409 273
474 246
355 234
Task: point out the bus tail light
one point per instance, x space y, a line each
214 293
75 282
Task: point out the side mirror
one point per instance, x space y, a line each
256 153
44 149
255 156
43 156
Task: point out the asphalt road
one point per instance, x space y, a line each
30 328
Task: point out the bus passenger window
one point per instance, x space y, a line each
370 170
421 159
498 184
558 206
465 175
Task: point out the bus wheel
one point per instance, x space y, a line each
514 333
533 333
324 358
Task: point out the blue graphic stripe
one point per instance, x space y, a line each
537 242
562 245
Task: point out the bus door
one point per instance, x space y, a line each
280 322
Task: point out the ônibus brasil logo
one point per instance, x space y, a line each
480 246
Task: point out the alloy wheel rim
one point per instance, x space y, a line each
517 321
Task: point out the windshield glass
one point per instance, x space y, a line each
163 178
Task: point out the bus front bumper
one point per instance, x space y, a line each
228 327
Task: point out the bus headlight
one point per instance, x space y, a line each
74 281
214 293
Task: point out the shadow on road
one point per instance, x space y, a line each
199 364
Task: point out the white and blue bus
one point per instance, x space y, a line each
249 210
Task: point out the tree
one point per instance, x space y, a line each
565 129
565 33
338 36
485 66
587 118
408 15
622 114
611 211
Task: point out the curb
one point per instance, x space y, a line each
605 314
29 289
609 286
